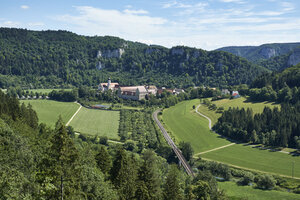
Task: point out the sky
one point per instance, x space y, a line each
206 24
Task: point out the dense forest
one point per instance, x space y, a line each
278 86
43 59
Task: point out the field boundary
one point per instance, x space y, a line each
80 106
251 169
214 149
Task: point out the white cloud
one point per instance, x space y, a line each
135 12
9 23
127 24
199 26
233 1
24 7
35 24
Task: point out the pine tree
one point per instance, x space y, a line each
61 166
103 160
124 174
149 176
172 189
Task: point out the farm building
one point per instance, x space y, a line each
108 86
132 92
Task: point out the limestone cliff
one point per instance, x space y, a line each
114 53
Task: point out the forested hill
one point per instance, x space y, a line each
60 58
263 52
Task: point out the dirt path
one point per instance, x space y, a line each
214 149
209 120
67 124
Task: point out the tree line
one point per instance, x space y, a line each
274 127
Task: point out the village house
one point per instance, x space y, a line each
235 94
108 86
151 89
132 92
225 92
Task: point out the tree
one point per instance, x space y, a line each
124 174
103 160
266 182
149 176
61 166
201 190
172 187
187 150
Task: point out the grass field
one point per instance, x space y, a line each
48 111
97 122
247 192
240 102
257 159
188 126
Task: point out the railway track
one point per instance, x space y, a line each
177 151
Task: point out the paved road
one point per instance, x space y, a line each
178 153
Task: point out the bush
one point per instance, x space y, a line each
103 140
247 178
266 182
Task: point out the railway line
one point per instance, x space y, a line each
177 151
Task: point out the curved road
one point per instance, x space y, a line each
178 153
209 120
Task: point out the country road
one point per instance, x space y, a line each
80 106
178 153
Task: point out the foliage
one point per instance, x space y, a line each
60 58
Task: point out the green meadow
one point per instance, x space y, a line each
48 111
97 122
233 191
186 125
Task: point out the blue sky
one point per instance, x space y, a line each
206 24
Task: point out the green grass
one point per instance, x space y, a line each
233 191
48 111
186 125
97 122
45 91
257 159
242 102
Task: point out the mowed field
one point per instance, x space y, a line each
97 122
188 126
48 111
248 192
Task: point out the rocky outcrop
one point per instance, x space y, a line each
294 58
151 50
99 65
114 53
267 52
177 51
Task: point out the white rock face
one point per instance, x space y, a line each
268 52
114 53
99 65
177 51
294 58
